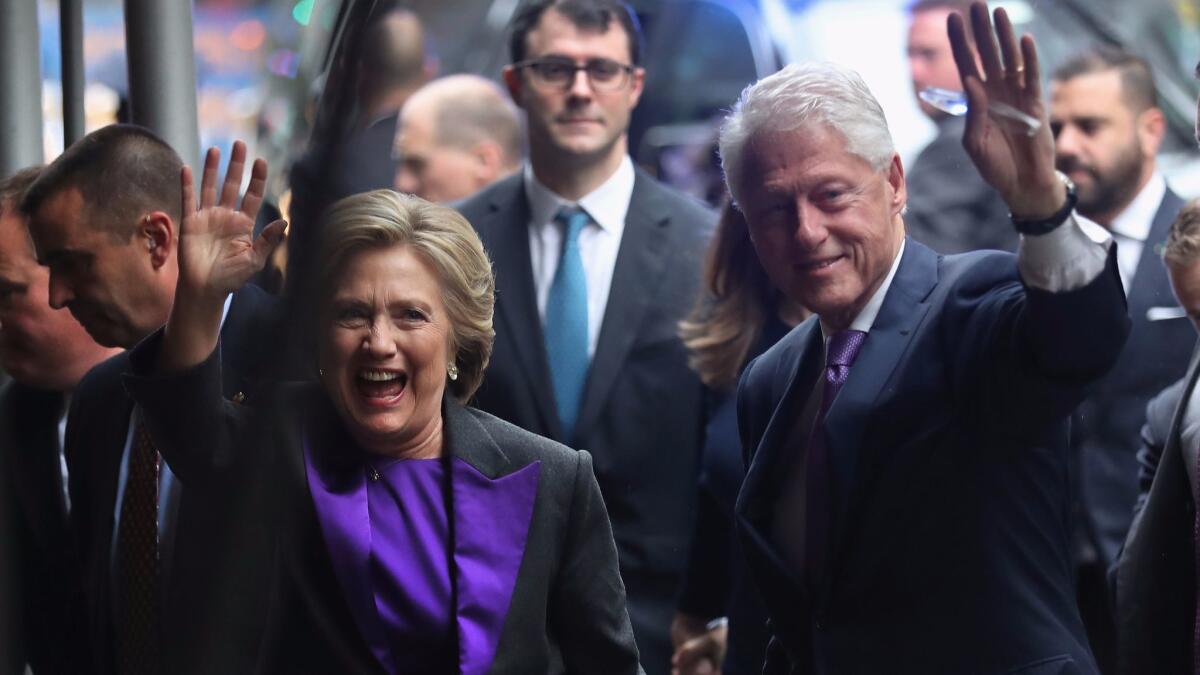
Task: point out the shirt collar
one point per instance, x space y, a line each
1135 221
607 205
866 317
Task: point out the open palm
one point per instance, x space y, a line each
1018 164
218 251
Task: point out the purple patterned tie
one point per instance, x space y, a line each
842 350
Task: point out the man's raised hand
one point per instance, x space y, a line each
1019 165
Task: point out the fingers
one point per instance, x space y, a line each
254 193
1008 47
208 183
977 112
985 41
267 241
1033 71
964 57
188 190
233 175
695 657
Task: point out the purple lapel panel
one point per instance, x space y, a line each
340 498
491 525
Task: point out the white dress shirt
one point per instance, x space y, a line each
599 241
1132 226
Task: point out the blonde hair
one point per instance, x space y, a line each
729 316
1183 239
384 218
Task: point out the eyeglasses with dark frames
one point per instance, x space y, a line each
559 72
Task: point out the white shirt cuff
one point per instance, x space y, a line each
1068 257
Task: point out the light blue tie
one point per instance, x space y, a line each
566 327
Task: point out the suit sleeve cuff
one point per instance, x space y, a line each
1065 259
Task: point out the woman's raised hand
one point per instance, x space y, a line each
217 248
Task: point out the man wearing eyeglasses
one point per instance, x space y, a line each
596 263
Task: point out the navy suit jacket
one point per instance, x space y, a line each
96 431
948 443
642 414
1104 429
1156 574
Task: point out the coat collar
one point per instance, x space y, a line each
491 508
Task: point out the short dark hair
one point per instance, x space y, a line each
594 15
13 188
122 171
1137 80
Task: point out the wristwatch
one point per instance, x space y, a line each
1034 227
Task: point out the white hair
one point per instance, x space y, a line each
800 95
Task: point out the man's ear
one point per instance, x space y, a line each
895 179
512 82
489 161
637 82
157 232
1151 127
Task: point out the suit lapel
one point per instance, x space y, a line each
516 299
493 502
1150 284
639 265
112 428
904 307
760 489
1174 445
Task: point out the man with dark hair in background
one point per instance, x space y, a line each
951 209
1107 130
596 263
47 352
456 135
392 66
105 219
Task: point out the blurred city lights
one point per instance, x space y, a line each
248 35
283 62
302 12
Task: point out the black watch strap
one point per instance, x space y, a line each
1034 227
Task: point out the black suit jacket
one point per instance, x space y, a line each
948 447
1156 573
951 209
564 610
1104 429
642 412
96 431
49 600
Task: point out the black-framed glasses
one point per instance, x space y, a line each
559 73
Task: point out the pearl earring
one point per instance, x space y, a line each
452 371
